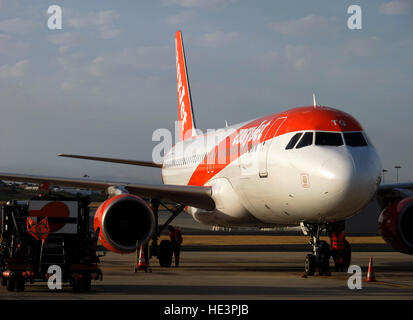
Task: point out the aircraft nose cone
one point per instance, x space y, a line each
347 185
337 173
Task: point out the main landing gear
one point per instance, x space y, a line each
320 256
163 251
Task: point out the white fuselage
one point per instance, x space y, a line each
269 185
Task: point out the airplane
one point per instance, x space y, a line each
311 166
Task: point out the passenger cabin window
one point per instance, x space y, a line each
306 140
293 141
355 139
328 139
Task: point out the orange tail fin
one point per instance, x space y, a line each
185 111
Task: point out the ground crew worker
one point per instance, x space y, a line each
337 249
176 240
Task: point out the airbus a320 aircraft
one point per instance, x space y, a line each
312 166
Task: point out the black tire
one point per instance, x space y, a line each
86 284
76 285
324 248
20 283
310 264
346 255
324 258
4 281
165 253
323 264
11 284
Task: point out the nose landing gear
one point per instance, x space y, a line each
320 256
321 253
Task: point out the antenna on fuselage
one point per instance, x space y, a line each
314 101
226 124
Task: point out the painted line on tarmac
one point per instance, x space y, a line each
390 284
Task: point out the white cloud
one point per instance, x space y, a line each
298 57
366 47
11 47
143 58
218 38
268 58
103 20
96 67
180 18
309 25
66 40
293 60
109 33
396 7
17 25
13 71
197 3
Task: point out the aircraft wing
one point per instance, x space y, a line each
113 160
194 196
390 192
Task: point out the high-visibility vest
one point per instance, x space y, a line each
337 242
176 236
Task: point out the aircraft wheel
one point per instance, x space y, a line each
75 285
324 258
310 263
20 283
323 264
165 253
11 284
86 284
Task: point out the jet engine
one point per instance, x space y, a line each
122 221
396 225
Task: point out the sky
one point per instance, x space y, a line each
106 81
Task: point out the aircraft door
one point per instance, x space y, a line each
265 146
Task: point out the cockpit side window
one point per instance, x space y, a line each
328 139
293 141
355 139
306 140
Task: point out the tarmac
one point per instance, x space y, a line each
238 273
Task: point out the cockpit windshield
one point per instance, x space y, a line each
322 138
355 139
293 141
306 140
328 139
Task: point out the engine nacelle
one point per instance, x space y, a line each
123 220
396 225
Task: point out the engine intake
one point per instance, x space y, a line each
396 225
123 220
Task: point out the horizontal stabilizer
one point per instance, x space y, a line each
131 162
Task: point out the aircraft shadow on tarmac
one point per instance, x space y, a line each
357 247
257 291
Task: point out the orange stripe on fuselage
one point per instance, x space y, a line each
297 119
